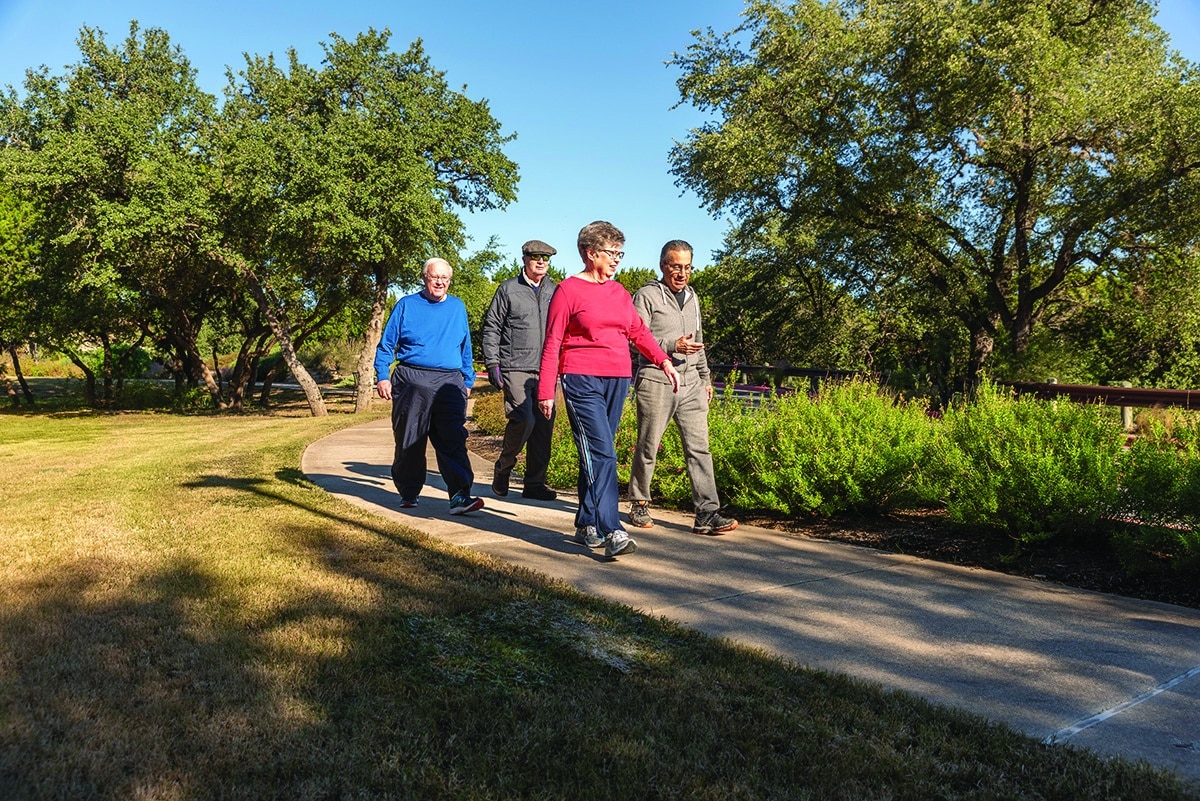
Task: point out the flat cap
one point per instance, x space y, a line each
537 247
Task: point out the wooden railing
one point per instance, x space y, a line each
815 376
1111 396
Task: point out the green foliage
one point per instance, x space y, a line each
850 448
1160 497
487 410
332 360
634 278
1141 325
957 166
134 362
1033 469
113 156
564 456
18 256
767 300
49 365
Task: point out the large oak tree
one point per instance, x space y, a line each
991 156
341 181
112 155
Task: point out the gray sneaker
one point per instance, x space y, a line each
639 515
587 535
619 542
713 523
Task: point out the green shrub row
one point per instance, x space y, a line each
1034 470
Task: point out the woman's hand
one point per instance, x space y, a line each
546 407
671 373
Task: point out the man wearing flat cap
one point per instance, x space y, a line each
514 330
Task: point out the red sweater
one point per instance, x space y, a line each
588 332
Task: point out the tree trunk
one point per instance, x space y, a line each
364 386
982 344
282 332
89 376
7 384
312 393
197 370
264 394
12 351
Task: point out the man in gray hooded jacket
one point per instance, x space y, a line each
514 330
671 310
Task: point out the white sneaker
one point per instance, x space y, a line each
619 542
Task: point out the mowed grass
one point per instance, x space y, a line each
184 616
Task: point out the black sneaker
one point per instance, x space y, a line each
713 523
462 503
539 493
500 484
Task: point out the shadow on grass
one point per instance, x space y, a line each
418 672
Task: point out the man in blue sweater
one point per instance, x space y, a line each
429 342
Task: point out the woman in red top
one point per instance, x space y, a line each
590 325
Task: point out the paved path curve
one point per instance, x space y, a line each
1116 675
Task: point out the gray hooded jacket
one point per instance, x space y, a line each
656 304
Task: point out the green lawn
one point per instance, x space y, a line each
184 616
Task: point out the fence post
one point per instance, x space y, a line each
1127 411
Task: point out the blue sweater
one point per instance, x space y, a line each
422 333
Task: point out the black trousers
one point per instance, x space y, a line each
429 406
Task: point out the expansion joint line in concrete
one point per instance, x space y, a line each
1065 734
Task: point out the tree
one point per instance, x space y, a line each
112 155
341 182
634 278
767 300
18 257
997 156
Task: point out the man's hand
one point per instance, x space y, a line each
709 391
546 407
385 389
494 377
687 346
672 374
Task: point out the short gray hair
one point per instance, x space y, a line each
598 235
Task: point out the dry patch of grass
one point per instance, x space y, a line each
184 616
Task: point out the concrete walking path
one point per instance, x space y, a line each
1116 675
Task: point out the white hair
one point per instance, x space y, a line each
436 262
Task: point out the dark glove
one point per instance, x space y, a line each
494 377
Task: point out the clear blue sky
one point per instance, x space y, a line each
583 85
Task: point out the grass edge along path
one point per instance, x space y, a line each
184 616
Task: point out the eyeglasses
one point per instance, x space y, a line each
538 257
438 279
615 255
678 268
